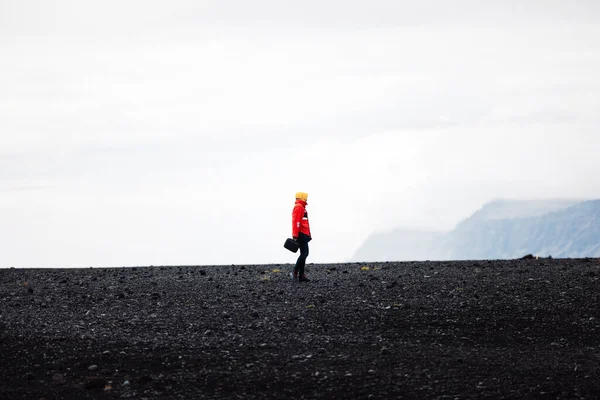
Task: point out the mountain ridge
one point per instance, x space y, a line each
500 229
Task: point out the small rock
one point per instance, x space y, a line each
92 367
58 379
29 376
391 285
94 382
385 351
126 383
208 332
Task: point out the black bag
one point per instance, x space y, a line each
291 245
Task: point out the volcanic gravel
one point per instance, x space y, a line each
423 330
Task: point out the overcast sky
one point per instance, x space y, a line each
177 132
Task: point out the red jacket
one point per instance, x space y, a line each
300 219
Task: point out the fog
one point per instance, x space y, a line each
166 133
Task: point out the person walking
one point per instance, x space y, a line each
300 233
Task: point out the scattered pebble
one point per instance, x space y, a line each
58 379
95 382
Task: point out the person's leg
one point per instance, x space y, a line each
299 261
303 241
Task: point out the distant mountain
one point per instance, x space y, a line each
502 229
400 244
504 209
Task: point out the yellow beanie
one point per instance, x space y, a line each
302 196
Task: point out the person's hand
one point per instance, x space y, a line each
295 238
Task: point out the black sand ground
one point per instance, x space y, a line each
447 330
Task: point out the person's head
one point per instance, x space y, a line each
302 196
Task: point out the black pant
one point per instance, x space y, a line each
301 262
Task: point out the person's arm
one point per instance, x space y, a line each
297 215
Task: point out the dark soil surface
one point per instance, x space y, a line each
422 330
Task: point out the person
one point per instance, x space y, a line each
301 233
